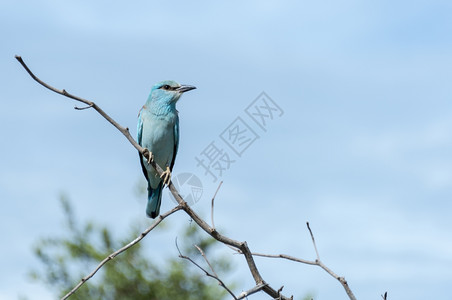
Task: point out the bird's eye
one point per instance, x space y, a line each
166 87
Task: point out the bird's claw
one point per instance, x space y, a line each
150 155
166 176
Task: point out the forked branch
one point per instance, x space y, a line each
213 274
316 262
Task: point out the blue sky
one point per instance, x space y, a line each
362 151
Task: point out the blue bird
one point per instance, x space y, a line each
158 131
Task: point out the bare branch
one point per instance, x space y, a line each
213 200
313 241
63 92
242 246
116 253
205 258
288 257
317 262
214 276
328 270
385 296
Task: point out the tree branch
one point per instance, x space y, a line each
123 130
117 252
317 262
242 246
205 258
214 275
213 200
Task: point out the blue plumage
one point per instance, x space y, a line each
158 131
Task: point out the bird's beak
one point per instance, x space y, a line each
185 88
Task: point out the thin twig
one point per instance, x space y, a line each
214 276
213 200
119 251
313 241
328 270
385 296
288 257
205 258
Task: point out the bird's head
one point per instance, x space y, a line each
168 91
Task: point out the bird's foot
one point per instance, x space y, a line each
166 176
150 155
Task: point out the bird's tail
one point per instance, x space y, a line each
154 201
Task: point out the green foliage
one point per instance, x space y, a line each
131 275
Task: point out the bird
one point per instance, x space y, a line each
158 132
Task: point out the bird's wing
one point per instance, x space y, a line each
139 128
176 142
139 140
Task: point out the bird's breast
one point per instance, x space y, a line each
158 136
